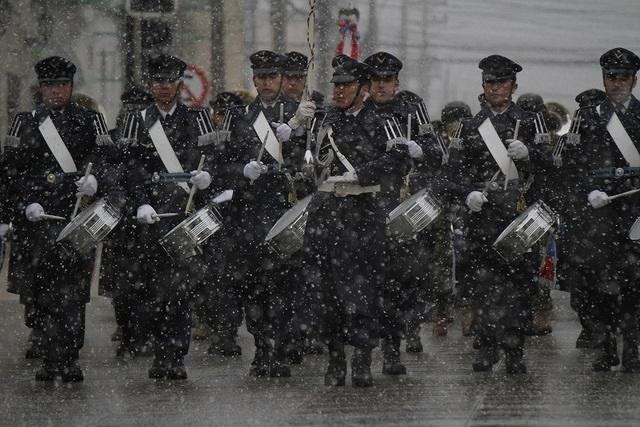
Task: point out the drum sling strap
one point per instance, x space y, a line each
165 151
497 149
56 145
623 141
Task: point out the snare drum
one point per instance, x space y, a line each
287 235
183 241
525 231
634 232
413 215
89 227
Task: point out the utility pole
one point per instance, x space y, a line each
279 25
217 46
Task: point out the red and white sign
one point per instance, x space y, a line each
195 91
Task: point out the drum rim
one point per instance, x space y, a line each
271 234
83 215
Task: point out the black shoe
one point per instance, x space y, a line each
391 364
47 372
361 368
312 346
260 366
225 347
72 373
585 339
414 345
336 372
177 371
485 360
158 370
294 354
515 363
605 363
280 370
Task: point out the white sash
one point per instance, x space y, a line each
623 141
56 146
345 162
272 145
165 151
497 149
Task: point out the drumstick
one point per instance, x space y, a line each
162 215
87 172
56 217
281 113
626 193
409 127
261 152
515 136
194 188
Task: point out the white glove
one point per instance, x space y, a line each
147 215
4 228
34 212
415 151
306 110
475 200
345 177
225 196
283 131
87 187
253 170
517 150
200 179
598 199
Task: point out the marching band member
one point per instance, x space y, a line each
345 242
167 138
43 164
606 163
262 192
499 291
425 272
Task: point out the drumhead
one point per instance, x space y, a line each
402 207
634 232
288 217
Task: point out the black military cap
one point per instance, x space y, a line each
348 70
55 69
136 95
620 62
498 68
267 62
225 100
591 97
531 102
166 67
384 64
455 110
295 65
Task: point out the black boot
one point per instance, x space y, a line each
312 346
585 339
71 372
224 346
48 371
262 360
514 361
280 364
159 368
414 345
361 367
609 356
630 357
486 358
337 369
36 345
177 371
391 364
293 353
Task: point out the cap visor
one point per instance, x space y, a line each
343 79
265 71
619 72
